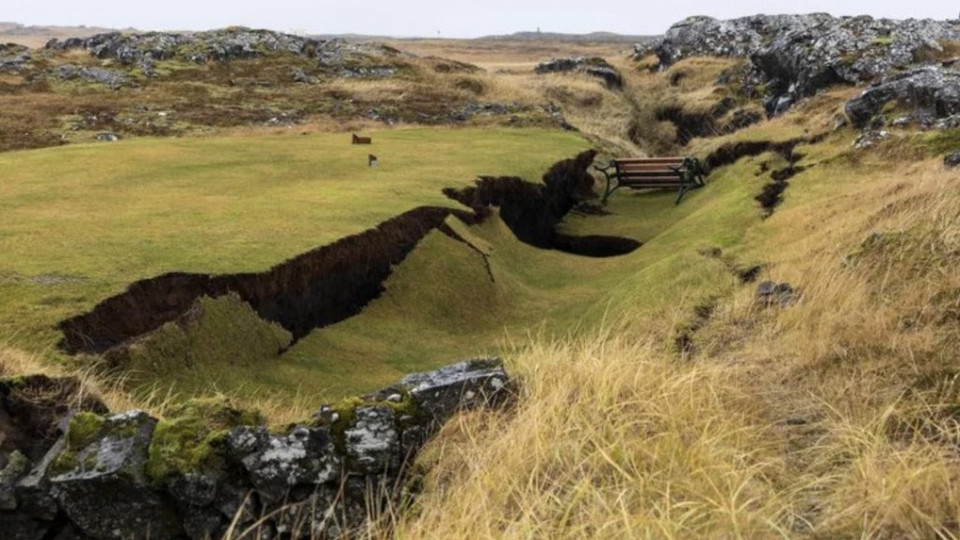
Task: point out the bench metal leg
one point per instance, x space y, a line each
609 189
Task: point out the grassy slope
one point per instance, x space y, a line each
80 223
833 418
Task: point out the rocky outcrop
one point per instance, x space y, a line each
596 67
13 57
794 56
931 95
192 474
109 77
356 60
216 45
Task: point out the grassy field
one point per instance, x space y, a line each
80 223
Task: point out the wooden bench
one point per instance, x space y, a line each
682 173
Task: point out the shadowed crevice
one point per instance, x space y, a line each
533 211
315 289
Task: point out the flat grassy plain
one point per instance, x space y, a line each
78 224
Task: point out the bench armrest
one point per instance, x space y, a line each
611 165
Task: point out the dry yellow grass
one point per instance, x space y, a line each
156 400
506 55
609 440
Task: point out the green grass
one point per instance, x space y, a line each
227 205
79 223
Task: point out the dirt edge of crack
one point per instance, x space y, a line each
315 289
533 211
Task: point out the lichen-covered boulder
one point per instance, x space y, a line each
13 57
206 466
464 385
794 56
109 77
99 478
278 463
929 92
215 45
372 441
952 161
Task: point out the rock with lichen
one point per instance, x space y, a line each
794 56
99 478
596 67
930 93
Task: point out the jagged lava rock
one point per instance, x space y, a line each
597 67
100 482
794 56
931 92
952 161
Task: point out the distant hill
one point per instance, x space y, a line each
37 36
593 37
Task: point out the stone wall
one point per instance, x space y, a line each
207 466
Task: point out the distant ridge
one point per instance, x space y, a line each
36 36
593 37
556 36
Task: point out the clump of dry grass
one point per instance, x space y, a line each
609 439
114 391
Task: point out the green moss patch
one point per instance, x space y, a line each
188 440
83 430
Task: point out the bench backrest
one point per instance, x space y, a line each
650 171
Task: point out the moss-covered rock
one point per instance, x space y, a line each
190 438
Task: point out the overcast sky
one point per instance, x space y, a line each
427 17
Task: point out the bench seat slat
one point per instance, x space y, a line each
640 185
650 160
629 168
648 174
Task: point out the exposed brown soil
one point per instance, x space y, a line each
688 124
312 290
730 153
31 409
692 124
532 211
684 342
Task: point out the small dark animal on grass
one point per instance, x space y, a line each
371 160
361 140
